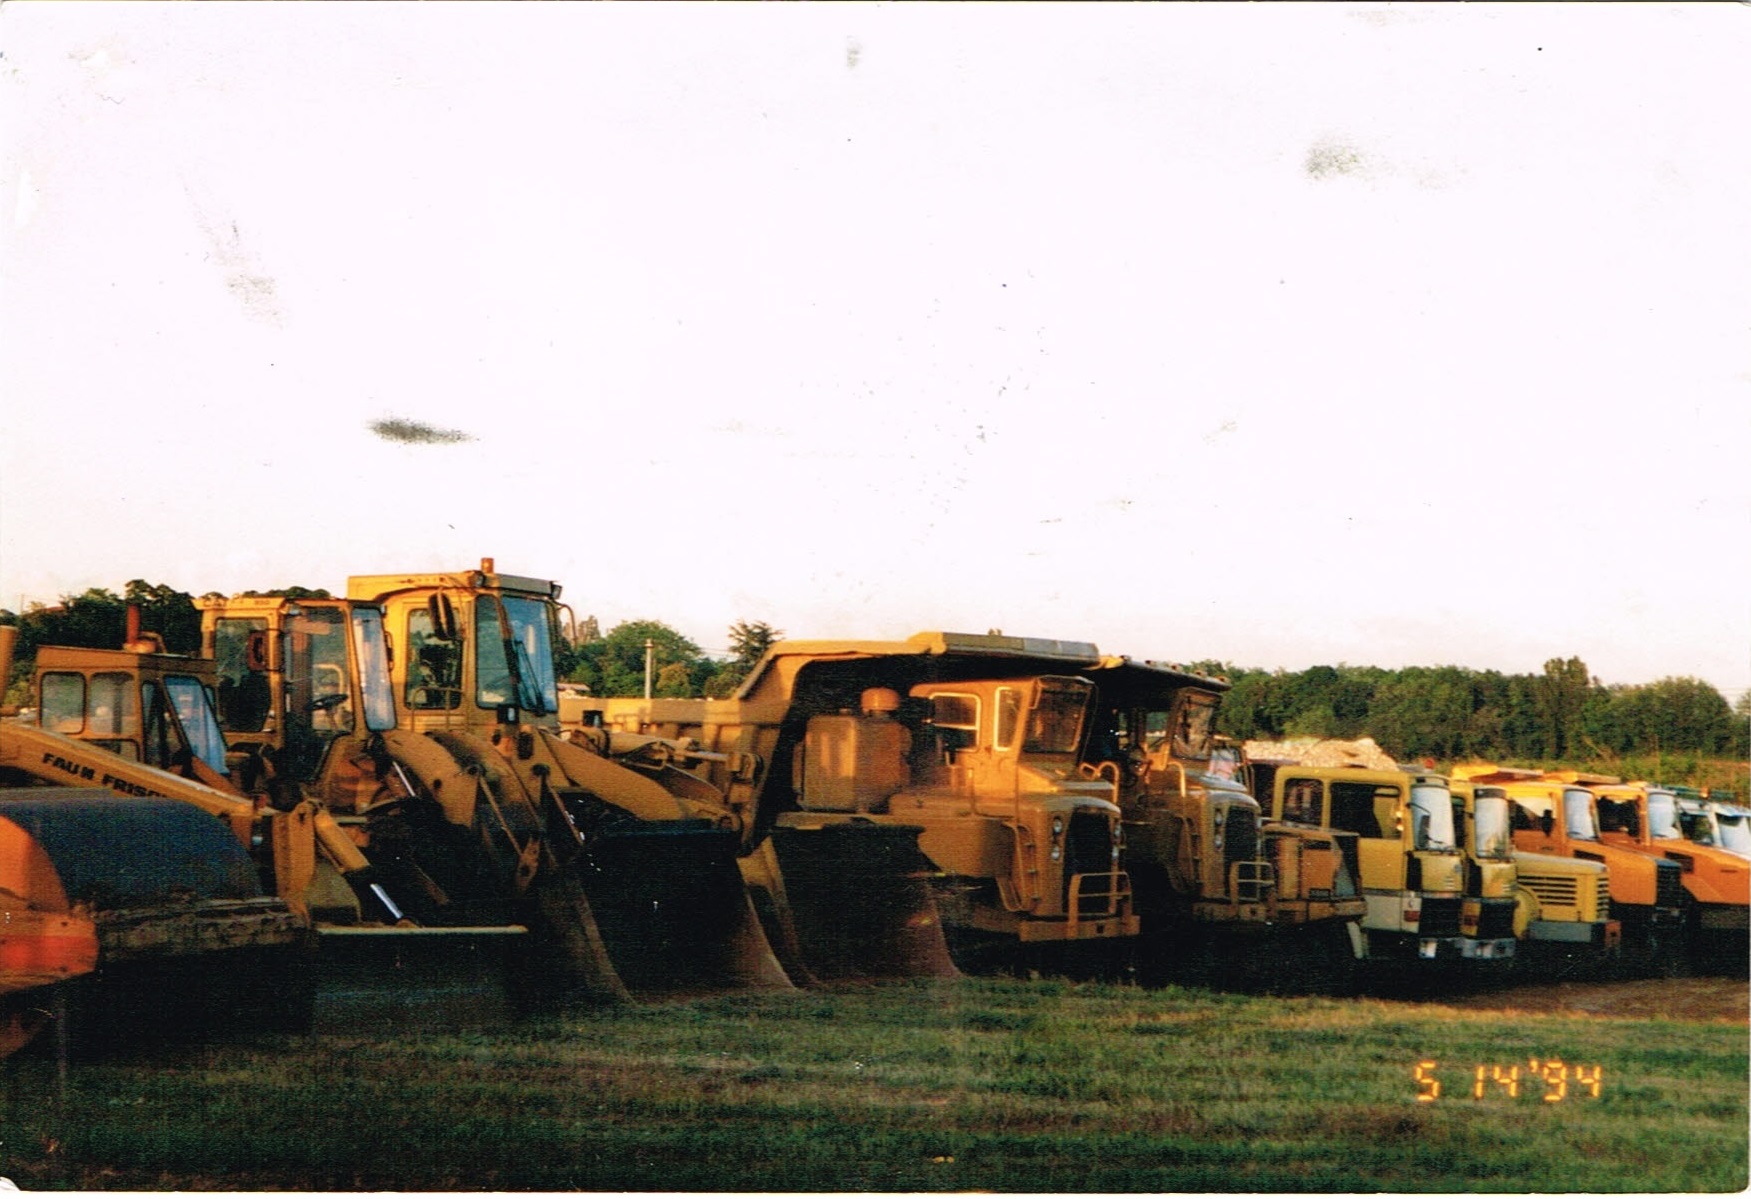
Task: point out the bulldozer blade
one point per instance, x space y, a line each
389 979
672 914
855 902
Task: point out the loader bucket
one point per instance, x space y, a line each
855 901
672 914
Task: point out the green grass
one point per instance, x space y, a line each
964 1085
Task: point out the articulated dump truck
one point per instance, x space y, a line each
157 866
1205 863
964 746
442 762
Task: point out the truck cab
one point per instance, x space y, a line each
1551 816
1411 867
1645 819
1487 915
1198 844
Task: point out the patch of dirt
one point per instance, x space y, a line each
1704 1000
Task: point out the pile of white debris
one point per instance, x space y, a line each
1321 751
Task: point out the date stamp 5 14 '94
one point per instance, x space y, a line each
1552 1081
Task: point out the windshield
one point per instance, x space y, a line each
195 711
1735 833
528 682
1491 837
1191 735
1578 814
1663 816
373 654
1055 724
1431 817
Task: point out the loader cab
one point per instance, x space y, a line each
296 677
158 709
477 647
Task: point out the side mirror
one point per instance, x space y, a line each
1547 823
255 653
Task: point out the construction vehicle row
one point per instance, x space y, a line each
412 816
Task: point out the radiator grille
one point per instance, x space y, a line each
1440 918
1496 919
1669 887
1554 890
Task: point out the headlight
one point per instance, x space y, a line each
1057 826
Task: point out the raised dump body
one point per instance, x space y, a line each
969 743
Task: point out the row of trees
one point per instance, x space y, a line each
1442 712
1449 712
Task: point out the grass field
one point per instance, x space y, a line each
970 1084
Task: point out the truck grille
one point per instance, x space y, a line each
1088 849
1604 885
1554 890
1495 920
1440 918
1240 835
1668 885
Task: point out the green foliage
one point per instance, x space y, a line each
1450 712
614 665
98 619
748 643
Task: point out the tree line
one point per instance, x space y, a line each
1451 712
1440 712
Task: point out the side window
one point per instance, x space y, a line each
112 706
1008 716
63 702
434 666
1353 809
244 693
1302 800
954 718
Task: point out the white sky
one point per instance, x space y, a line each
1275 334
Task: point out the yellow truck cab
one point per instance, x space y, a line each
1487 915
1551 816
1707 819
1410 864
1561 906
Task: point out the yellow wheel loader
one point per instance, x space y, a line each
967 744
143 724
1259 897
443 763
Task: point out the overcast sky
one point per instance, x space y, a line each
1279 335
